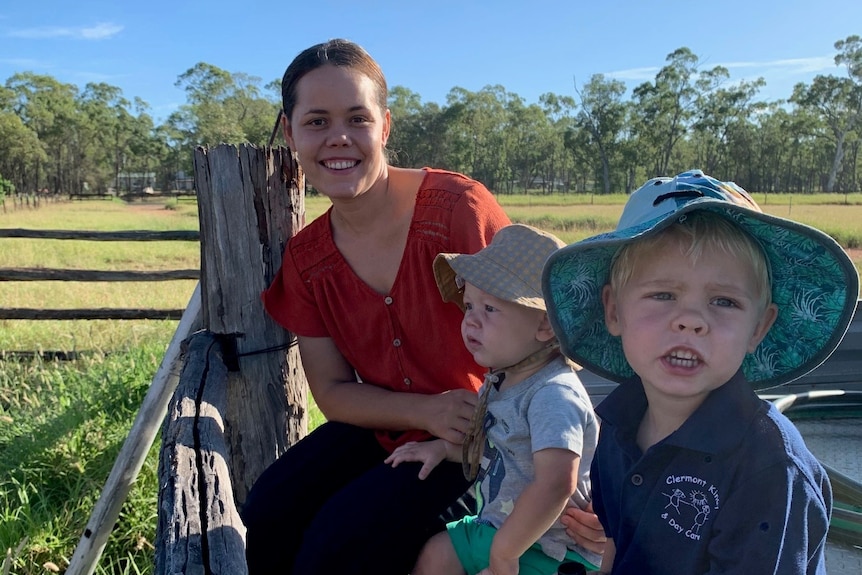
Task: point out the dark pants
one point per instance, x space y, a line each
330 505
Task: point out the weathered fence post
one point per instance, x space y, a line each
250 202
199 529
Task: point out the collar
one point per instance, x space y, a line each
719 425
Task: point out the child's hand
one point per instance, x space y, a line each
430 453
584 528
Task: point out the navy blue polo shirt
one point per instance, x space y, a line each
733 490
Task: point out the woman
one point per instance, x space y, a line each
382 352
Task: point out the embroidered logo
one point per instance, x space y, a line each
691 501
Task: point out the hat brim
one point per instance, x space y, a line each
814 284
484 273
444 275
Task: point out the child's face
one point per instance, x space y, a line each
686 326
500 333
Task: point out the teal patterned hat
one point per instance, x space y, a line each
814 283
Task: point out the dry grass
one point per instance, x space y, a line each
95 255
571 221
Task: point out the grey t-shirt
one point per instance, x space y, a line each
550 409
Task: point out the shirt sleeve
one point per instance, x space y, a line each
477 216
557 419
302 316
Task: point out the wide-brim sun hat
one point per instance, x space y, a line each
510 267
814 283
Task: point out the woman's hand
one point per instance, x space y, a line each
583 526
448 414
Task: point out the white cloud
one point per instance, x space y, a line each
25 63
785 68
99 31
789 66
647 73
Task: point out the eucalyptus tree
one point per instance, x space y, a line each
145 145
418 131
109 127
665 107
721 114
602 115
223 107
560 111
576 141
474 127
176 159
838 100
20 150
47 107
529 146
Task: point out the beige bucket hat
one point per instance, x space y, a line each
510 267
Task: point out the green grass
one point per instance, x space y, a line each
61 428
63 424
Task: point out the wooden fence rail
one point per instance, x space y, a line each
44 274
133 235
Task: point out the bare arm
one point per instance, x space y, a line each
333 384
536 509
608 557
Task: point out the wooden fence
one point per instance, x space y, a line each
242 400
43 274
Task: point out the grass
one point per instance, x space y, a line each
62 423
573 217
95 255
61 427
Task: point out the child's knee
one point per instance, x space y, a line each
438 556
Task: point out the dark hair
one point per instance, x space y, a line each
336 52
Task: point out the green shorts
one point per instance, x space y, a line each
472 543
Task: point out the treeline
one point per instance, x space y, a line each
599 139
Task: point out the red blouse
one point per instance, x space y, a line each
408 340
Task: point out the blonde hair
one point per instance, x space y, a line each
696 232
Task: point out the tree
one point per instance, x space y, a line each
20 152
602 115
475 123
6 188
418 130
720 113
224 107
47 107
839 100
665 107
560 111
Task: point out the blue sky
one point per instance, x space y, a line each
530 47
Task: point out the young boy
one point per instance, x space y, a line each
534 431
694 302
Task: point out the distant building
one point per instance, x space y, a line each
135 182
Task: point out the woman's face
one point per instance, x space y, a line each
338 131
